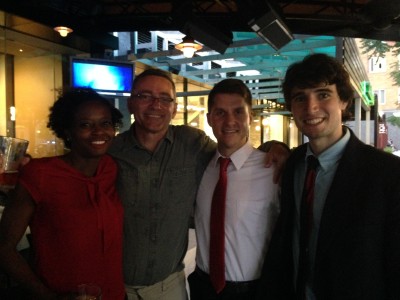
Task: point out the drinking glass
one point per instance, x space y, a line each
12 150
88 292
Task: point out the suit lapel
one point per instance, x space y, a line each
337 212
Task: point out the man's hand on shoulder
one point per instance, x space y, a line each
276 154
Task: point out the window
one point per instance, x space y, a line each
377 64
381 96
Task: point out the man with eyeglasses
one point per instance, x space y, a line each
160 167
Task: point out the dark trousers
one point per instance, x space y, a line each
202 289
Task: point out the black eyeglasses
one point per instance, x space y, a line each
147 98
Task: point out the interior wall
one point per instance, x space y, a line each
37 83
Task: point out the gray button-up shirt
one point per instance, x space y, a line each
158 191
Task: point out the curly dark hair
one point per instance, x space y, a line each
316 69
64 109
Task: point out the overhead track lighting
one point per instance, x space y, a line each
188 46
63 30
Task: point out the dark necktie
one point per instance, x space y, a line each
217 229
306 220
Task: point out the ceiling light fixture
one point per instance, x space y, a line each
188 46
63 30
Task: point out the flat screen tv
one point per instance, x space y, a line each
102 75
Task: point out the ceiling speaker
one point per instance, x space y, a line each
208 35
272 29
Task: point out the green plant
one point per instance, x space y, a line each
375 48
395 121
388 149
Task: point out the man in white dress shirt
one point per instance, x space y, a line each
252 203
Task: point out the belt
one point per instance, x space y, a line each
234 286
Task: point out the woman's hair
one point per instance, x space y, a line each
63 111
314 70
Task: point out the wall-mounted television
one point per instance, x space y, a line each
102 75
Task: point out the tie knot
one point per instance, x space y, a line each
223 163
312 162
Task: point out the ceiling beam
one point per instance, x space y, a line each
257 67
268 50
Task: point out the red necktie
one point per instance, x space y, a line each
306 220
217 229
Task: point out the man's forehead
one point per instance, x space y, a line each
152 78
152 82
315 87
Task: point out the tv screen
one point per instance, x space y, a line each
102 75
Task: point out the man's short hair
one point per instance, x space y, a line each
230 86
154 72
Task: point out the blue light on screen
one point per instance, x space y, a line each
102 77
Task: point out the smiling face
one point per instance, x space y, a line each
230 119
92 130
152 116
317 113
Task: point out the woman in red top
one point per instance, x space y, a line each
71 206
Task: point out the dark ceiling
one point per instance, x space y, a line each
372 19
223 24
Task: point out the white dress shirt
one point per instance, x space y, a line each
252 207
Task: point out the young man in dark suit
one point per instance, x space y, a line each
352 245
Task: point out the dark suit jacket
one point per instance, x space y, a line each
358 249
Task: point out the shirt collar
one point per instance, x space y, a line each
238 158
169 136
331 155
